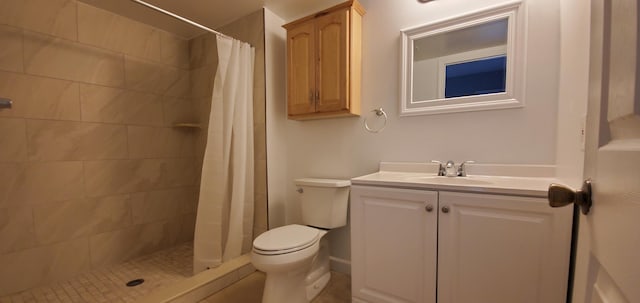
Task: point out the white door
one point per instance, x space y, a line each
608 254
393 245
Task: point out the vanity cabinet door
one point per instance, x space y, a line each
502 249
393 244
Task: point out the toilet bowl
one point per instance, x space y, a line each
296 271
295 257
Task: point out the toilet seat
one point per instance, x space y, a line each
286 239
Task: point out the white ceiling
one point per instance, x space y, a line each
211 13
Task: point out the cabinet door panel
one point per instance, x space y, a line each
301 69
332 69
502 249
393 245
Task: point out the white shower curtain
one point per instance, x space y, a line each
225 208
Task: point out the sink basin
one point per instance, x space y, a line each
450 180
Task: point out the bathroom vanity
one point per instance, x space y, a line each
419 237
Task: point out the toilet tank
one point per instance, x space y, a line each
324 202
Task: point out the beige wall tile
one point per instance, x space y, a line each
112 213
260 211
58 58
16 229
76 218
175 50
62 221
11 174
114 32
160 205
14 87
249 28
117 246
155 78
188 228
202 82
62 140
178 110
203 112
147 142
44 182
163 192
179 172
160 142
121 245
260 179
11 51
53 99
113 105
38 97
258 231
53 17
123 176
103 141
36 266
12 140
203 51
191 196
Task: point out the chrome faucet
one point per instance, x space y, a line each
449 168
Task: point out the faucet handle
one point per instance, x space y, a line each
461 169
441 170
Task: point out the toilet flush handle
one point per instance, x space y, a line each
300 190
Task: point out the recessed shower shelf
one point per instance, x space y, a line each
187 125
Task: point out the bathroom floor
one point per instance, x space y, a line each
249 290
108 284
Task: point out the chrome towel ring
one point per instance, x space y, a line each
379 113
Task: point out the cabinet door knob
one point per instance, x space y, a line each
428 208
445 209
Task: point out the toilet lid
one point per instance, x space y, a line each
286 239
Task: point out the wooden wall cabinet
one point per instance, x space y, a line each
324 63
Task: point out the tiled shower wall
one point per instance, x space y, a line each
204 62
91 171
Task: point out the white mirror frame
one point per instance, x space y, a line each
513 96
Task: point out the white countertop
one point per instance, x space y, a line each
525 185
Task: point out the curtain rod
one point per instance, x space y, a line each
181 18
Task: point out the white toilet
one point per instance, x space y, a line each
295 257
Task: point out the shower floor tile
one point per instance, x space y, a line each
108 284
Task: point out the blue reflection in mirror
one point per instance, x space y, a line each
477 77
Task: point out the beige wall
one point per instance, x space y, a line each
91 171
204 63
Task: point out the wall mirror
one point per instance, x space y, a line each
465 63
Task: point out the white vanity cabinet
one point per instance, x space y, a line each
470 248
393 244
